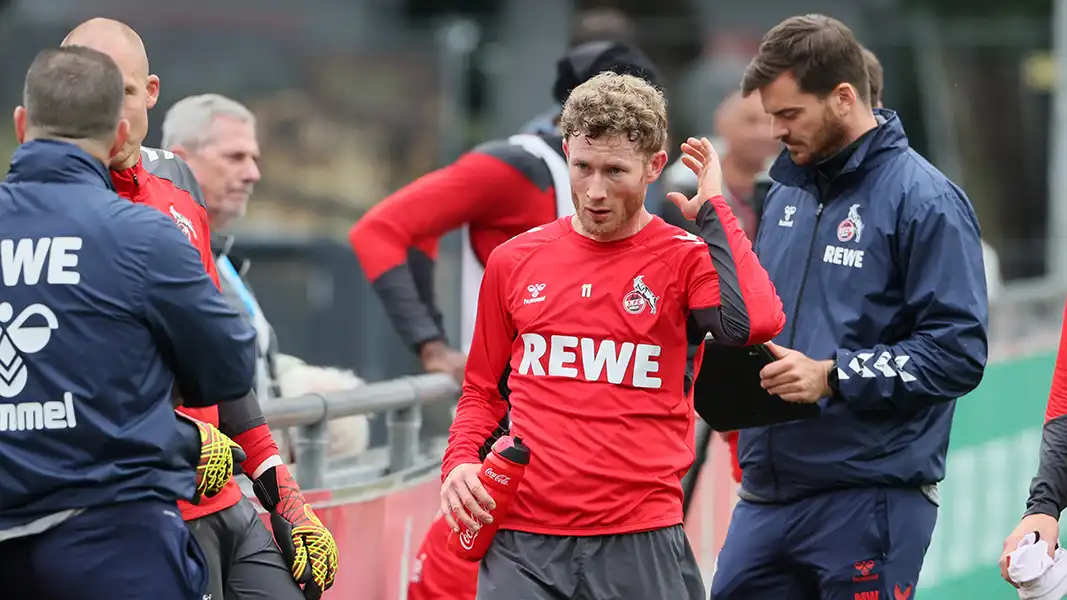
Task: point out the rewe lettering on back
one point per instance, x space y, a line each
599 360
24 261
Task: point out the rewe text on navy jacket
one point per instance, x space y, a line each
105 307
882 270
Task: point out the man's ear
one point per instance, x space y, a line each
656 164
20 124
152 89
566 150
845 98
122 133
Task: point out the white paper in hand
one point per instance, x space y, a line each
1039 576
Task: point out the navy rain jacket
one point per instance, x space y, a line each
104 307
881 268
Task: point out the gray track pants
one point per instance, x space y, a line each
652 565
244 562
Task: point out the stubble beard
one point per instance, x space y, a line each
620 220
831 138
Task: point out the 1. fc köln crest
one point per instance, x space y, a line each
852 227
184 224
641 297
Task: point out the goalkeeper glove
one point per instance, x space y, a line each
218 454
304 541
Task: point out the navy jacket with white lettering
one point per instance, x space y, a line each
104 307
884 273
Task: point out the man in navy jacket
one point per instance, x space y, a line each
105 309
876 256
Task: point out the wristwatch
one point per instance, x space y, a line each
832 380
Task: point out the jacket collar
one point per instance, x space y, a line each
54 161
221 244
128 182
887 140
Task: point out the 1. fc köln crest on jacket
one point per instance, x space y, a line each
183 223
852 227
640 298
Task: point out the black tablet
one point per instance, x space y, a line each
728 395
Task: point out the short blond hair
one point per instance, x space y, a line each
611 105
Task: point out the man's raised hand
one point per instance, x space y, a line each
701 158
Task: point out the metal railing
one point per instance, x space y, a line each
1024 318
401 399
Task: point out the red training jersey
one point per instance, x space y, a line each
588 344
169 186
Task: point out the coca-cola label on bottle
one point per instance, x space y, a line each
497 477
467 537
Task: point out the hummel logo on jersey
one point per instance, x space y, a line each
20 338
787 220
535 290
183 223
27 335
32 262
589 359
639 298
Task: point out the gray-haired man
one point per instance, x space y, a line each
216 137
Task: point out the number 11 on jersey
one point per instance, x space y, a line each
587 290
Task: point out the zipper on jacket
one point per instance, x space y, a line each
135 181
804 277
793 334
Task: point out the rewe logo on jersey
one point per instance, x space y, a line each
590 359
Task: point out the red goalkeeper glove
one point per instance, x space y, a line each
304 541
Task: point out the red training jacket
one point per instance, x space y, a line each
168 185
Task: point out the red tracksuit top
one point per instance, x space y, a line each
170 186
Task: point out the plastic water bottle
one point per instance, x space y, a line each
500 474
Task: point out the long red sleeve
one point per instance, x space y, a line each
258 445
481 405
1057 397
731 294
396 241
1048 490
